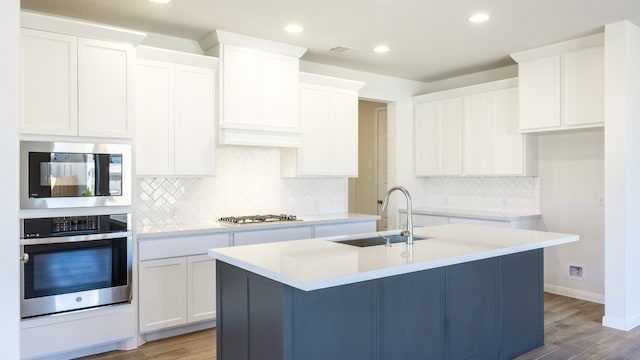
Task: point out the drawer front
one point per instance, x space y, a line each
164 247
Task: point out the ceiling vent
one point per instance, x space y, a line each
340 50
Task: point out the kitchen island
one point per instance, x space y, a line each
466 291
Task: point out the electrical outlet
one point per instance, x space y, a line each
601 200
576 271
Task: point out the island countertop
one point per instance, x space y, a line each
320 263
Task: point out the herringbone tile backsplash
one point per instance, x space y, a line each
504 194
247 182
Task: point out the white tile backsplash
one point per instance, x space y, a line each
508 194
247 182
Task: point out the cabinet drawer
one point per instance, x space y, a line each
266 236
344 229
454 220
164 247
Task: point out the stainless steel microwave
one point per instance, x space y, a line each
68 175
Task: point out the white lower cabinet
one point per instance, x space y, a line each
177 280
201 288
176 291
163 293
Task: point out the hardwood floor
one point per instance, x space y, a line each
573 330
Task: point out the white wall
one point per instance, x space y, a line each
9 104
571 169
622 175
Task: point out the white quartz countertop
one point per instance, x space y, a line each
323 262
474 214
180 229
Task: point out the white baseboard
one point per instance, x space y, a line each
620 323
162 334
573 293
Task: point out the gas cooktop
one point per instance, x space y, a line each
257 219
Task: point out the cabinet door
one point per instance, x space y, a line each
201 288
163 293
539 85
154 118
450 143
279 90
105 88
583 87
49 89
426 140
194 121
507 143
313 154
343 120
477 134
240 86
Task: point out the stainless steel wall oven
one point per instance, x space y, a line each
66 175
75 262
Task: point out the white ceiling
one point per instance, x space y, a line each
429 39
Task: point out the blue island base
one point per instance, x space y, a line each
485 309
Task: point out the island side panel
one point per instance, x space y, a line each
412 320
522 302
472 310
335 323
232 317
267 317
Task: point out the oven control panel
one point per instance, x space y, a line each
73 225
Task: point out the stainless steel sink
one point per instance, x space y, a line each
378 240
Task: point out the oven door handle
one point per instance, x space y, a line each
75 238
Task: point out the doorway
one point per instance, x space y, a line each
367 191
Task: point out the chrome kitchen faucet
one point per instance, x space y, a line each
408 231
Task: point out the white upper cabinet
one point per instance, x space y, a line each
562 85
259 91
49 99
493 144
105 88
438 137
472 131
85 86
328 109
175 113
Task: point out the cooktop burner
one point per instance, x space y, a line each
256 219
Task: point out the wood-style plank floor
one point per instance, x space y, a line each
573 330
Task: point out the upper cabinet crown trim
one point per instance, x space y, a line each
330 81
62 25
179 57
467 90
223 37
559 48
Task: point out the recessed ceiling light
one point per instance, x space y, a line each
160 1
293 28
478 18
381 49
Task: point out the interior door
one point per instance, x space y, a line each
382 164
